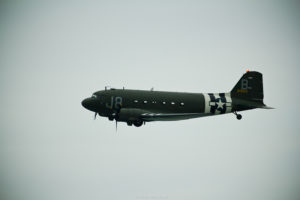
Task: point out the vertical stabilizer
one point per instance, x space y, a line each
249 87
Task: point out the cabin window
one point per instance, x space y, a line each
164 102
154 102
173 103
145 102
135 101
182 104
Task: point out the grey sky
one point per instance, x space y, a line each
54 54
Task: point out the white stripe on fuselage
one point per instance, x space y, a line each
209 103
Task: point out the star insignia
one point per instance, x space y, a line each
220 104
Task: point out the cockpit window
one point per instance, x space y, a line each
94 96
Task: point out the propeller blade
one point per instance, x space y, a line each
116 125
95 116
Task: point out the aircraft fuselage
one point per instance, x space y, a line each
140 106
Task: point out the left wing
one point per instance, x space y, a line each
150 116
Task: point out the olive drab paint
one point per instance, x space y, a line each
135 107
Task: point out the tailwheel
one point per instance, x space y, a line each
238 116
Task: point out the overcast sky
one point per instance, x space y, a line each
55 54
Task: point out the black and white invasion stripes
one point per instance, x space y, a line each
217 103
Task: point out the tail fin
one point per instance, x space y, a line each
249 88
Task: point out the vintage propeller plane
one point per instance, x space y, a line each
136 107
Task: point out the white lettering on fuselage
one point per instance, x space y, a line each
115 102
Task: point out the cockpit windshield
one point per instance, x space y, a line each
98 97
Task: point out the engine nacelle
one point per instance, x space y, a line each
130 114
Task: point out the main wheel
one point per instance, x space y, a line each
239 116
129 123
138 123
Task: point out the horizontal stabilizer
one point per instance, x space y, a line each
266 107
251 104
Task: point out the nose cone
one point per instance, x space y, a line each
89 104
85 103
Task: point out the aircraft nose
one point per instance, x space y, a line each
89 104
85 103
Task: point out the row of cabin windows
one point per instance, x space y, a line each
154 102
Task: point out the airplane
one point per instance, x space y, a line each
136 107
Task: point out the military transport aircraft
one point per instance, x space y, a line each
136 107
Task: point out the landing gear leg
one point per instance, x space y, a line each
238 116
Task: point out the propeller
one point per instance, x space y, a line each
95 116
116 116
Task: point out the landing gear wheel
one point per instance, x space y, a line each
138 123
239 116
129 123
